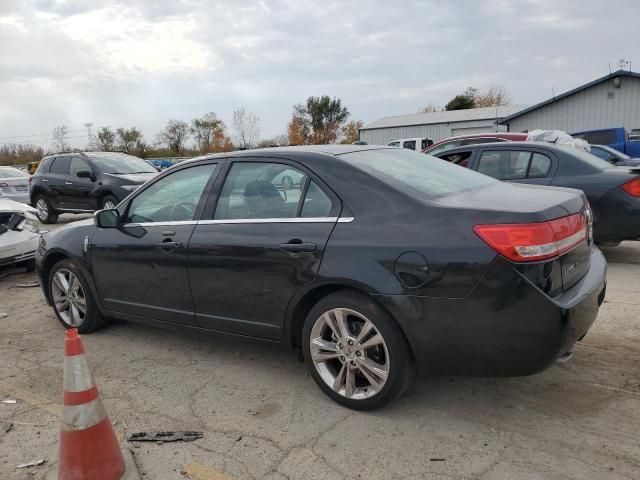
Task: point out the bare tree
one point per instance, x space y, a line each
106 139
281 140
204 129
175 135
495 96
245 126
430 108
59 134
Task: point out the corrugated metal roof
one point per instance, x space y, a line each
618 73
445 117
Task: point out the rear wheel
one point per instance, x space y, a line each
73 302
355 351
109 202
45 212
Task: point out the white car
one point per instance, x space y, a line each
14 184
417 144
19 233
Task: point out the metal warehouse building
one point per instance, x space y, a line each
608 102
437 125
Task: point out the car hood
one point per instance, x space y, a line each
11 206
133 177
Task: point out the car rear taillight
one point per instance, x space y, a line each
632 187
528 242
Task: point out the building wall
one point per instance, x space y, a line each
588 109
382 136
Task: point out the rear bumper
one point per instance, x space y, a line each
504 327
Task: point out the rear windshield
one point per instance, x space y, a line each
9 172
587 157
419 175
120 163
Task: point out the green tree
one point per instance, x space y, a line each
318 121
463 101
128 139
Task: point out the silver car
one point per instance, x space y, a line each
14 184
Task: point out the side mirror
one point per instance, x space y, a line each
109 218
85 174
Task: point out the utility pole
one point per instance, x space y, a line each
90 140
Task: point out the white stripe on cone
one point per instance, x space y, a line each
77 377
79 417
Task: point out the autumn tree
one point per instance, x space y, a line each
174 135
59 135
245 127
128 139
281 140
297 131
106 139
204 130
221 142
495 96
351 131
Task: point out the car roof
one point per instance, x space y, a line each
508 146
506 135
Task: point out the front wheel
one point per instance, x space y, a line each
73 302
355 351
109 202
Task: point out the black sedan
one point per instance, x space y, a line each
613 192
380 262
614 157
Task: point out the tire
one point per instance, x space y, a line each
87 322
109 201
392 355
46 213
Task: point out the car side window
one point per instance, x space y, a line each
410 144
459 158
60 166
78 164
604 137
445 146
316 202
172 198
254 190
539 166
504 164
394 144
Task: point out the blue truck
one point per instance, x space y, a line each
617 138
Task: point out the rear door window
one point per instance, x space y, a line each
504 164
317 203
539 166
410 144
60 166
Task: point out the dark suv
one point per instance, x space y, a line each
85 182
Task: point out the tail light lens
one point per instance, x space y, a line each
632 187
528 242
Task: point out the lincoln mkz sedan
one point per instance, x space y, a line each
380 262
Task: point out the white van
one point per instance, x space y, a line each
417 144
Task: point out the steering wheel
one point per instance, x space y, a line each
182 211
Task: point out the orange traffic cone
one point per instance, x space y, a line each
88 446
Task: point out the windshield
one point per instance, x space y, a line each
419 175
10 172
120 163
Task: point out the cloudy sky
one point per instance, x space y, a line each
141 62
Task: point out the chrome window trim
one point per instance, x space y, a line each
243 221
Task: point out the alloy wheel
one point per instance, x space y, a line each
68 298
349 353
108 205
43 209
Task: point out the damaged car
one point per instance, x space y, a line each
19 233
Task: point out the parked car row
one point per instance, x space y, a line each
382 262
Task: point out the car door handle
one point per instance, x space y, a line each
68 183
169 245
45 180
296 246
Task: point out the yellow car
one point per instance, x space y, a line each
32 167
